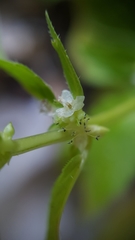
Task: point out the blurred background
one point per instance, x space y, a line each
100 39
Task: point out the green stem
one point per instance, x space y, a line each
40 140
108 117
104 119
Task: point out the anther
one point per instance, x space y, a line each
87 120
87 130
73 134
64 129
85 116
70 142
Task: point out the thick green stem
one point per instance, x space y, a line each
37 141
108 117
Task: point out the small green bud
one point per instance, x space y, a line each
8 131
6 144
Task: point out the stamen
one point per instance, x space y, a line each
69 105
87 130
70 142
80 122
73 134
85 116
97 138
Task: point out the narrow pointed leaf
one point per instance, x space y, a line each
28 79
60 193
69 72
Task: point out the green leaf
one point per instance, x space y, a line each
28 79
69 72
60 193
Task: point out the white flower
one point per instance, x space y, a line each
70 105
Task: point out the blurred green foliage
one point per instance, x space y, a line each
111 163
101 41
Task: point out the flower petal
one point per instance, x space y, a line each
66 97
78 103
70 105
